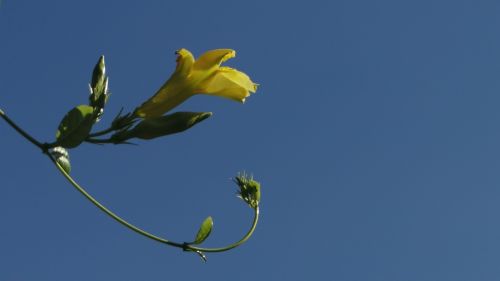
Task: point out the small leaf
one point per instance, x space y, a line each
204 231
75 126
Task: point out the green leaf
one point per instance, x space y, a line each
204 231
75 126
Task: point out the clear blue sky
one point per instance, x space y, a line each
375 134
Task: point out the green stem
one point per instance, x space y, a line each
147 234
109 212
104 141
118 123
22 132
98 141
184 246
101 133
234 245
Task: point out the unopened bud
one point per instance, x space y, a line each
99 88
249 189
98 73
61 155
165 125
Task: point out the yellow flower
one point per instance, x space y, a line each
204 75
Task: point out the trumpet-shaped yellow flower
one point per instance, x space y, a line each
201 76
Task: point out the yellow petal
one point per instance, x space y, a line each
213 58
229 83
201 76
176 90
165 100
185 61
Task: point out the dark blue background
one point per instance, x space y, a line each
374 133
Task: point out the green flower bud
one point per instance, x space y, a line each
61 156
161 126
249 189
99 73
99 88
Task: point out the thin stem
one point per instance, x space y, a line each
101 133
22 132
109 212
103 141
142 232
98 141
184 246
118 123
234 245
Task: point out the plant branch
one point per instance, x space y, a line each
22 132
109 212
98 141
103 132
120 122
142 232
185 246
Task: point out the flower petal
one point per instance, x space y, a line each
229 83
185 61
176 90
164 100
213 58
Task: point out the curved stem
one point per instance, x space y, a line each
234 245
109 212
184 246
22 132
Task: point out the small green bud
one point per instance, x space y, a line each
249 189
161 126
61 155
99 88
99 73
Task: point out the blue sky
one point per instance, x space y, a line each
374 134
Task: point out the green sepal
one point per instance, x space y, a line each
204 231
161 126
75 126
